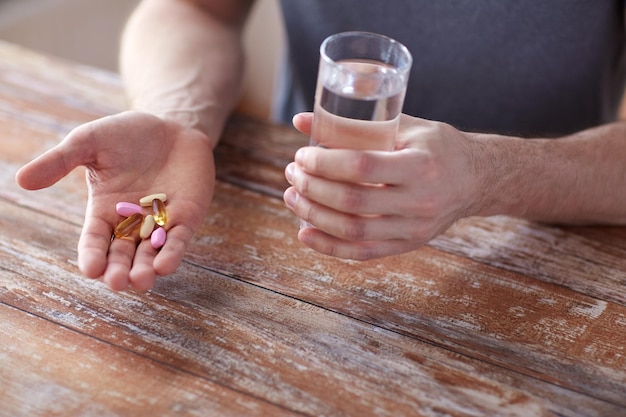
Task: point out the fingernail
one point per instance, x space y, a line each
290 196
289 172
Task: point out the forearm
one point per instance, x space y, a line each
576 179
182 63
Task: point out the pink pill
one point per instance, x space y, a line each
127 209
157 239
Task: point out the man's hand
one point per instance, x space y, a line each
370 204
128 156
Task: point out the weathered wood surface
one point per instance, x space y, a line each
497 317
254 341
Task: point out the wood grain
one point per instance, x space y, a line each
258 342
51 370
515 321
591 264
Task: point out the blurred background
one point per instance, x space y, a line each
88 32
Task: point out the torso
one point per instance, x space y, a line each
524 68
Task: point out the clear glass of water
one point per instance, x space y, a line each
360 91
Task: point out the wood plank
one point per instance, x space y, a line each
586 262
254 155
41 99
232 334
509 319
45 86
49 370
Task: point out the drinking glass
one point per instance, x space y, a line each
361 84
360 91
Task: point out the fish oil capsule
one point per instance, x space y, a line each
158 212
147 226
147 200
127 226
158 238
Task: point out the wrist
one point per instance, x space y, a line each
499 164
178 106
189 119
201 118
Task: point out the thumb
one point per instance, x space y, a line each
54 164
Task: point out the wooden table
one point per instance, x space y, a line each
498 316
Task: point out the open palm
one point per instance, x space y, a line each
128 156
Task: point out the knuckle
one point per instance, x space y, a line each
307 213
315 162
363 164
304 209
353 200
354 230
435 171
430 208
365 253
426 207
332 250
422 232
303 184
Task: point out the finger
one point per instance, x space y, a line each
349 197
349 227
119 262
171 254
142 275
44 170
93 246
56 163
330 245
303 122
374 167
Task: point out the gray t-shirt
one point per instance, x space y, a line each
526 67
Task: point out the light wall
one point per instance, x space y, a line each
87 31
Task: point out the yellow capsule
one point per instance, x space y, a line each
158 212
147 226
127 226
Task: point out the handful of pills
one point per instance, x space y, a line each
135 219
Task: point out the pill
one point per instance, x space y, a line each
126 209
147 200
127 226
158 238
147 226
158 211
